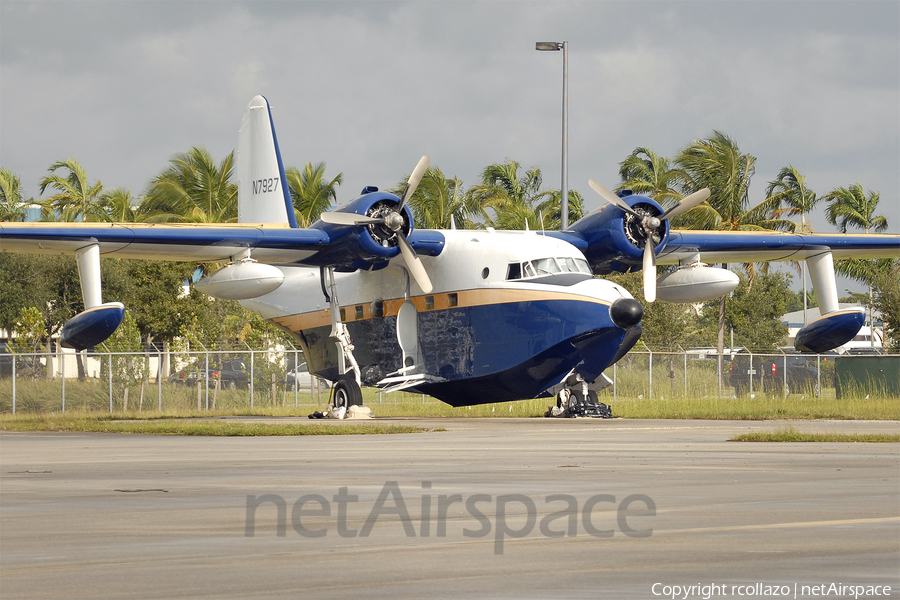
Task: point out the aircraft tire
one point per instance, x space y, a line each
347 392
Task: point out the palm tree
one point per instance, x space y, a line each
645 172
311 193
193 189
790 189
76 198
517 201
718 163
850 206
120 208
440 203
12 205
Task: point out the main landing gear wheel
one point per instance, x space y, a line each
347 392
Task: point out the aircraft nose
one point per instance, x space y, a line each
626 312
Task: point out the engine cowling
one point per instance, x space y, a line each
615 239
364 246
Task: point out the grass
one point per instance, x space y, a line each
794 406
206 427
790 434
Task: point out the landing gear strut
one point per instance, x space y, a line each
577 398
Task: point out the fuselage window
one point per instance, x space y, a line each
429 302
514 271
359 313
453 299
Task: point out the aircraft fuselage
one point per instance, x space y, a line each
510 315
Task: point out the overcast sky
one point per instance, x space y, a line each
369 87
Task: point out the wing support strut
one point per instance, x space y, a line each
98 321
835 327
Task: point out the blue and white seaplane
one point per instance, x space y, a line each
466 316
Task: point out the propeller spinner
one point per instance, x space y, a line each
649 226
392 219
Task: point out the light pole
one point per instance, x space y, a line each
564 188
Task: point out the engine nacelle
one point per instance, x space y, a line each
614 239
363 246
372 245
696 284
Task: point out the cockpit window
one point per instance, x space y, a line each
583 266
547 266
568 264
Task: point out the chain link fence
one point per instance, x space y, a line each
242 379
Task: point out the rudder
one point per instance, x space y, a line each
263 194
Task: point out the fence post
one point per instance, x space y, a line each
206 366
251 378
159 377
750 375
719 376
62 362
14 381
650 393
819 373
109 356
784 391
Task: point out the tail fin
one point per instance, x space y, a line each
263 194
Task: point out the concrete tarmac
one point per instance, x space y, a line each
488 508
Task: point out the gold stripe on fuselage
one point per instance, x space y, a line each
430 302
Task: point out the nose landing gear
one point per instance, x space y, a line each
578 398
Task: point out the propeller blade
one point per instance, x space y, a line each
649 267
686 204
611 197
414 264
342 218
414 180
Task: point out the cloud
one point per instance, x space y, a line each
369 87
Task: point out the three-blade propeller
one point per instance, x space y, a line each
393 221
650 225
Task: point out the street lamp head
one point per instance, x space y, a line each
545 46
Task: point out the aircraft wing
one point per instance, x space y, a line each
758 246
178 242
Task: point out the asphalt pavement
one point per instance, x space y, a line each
488 508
